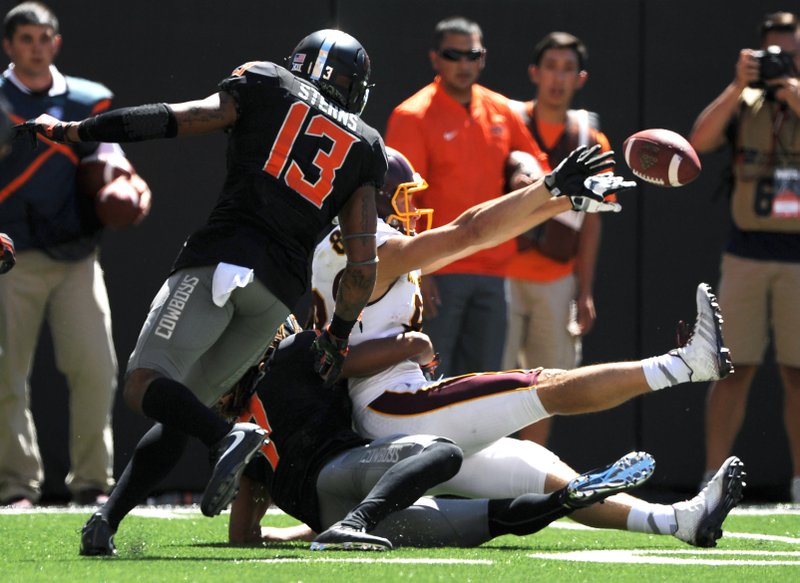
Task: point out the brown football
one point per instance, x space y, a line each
94 175
117 204
116 200
661 157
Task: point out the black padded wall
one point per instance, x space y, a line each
653 63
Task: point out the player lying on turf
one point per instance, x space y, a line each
362 494
251 503
477 411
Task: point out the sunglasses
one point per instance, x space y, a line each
456 55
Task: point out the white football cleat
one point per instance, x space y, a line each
704 352
700 519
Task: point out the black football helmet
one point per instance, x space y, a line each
337 64
394 199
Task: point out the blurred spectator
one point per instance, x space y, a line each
459 134
552 273
7 257
58 277
758 115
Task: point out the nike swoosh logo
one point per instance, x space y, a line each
448 136
238 436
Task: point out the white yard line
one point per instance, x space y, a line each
668 557
408 561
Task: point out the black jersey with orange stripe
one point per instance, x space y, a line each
294 159
308 424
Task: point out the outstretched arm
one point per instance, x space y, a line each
572 185
144 122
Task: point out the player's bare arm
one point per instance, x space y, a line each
247 510
215 112
144 122
357 221
581 182
373 356
479 227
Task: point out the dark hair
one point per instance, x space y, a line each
455 25
778 22
28 13
561 40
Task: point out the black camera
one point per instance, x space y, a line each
773 63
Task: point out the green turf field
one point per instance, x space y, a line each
761 545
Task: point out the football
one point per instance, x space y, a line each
121 198
117 204
94 175
661 157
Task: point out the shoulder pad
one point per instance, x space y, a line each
88 92
264 68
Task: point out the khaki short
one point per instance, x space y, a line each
757 297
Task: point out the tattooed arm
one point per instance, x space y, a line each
357 221
144 122
215 112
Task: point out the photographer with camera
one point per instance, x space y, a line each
758 115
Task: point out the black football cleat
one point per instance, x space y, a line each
97 538
340 537
234 451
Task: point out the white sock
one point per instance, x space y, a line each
653 519
665 371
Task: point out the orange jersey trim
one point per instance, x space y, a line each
25 175
255 413
100 106
239 71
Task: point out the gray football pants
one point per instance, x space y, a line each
190 339
430 522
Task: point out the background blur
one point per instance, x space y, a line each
652 63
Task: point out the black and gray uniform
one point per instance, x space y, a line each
326 469
293 161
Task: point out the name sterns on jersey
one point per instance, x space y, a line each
315 99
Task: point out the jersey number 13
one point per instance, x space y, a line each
327 162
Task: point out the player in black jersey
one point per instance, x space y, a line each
299 156
362 494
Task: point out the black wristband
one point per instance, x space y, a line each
341 328
130 124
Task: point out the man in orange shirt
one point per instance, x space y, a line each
458 134
552 272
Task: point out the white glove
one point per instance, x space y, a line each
595 189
